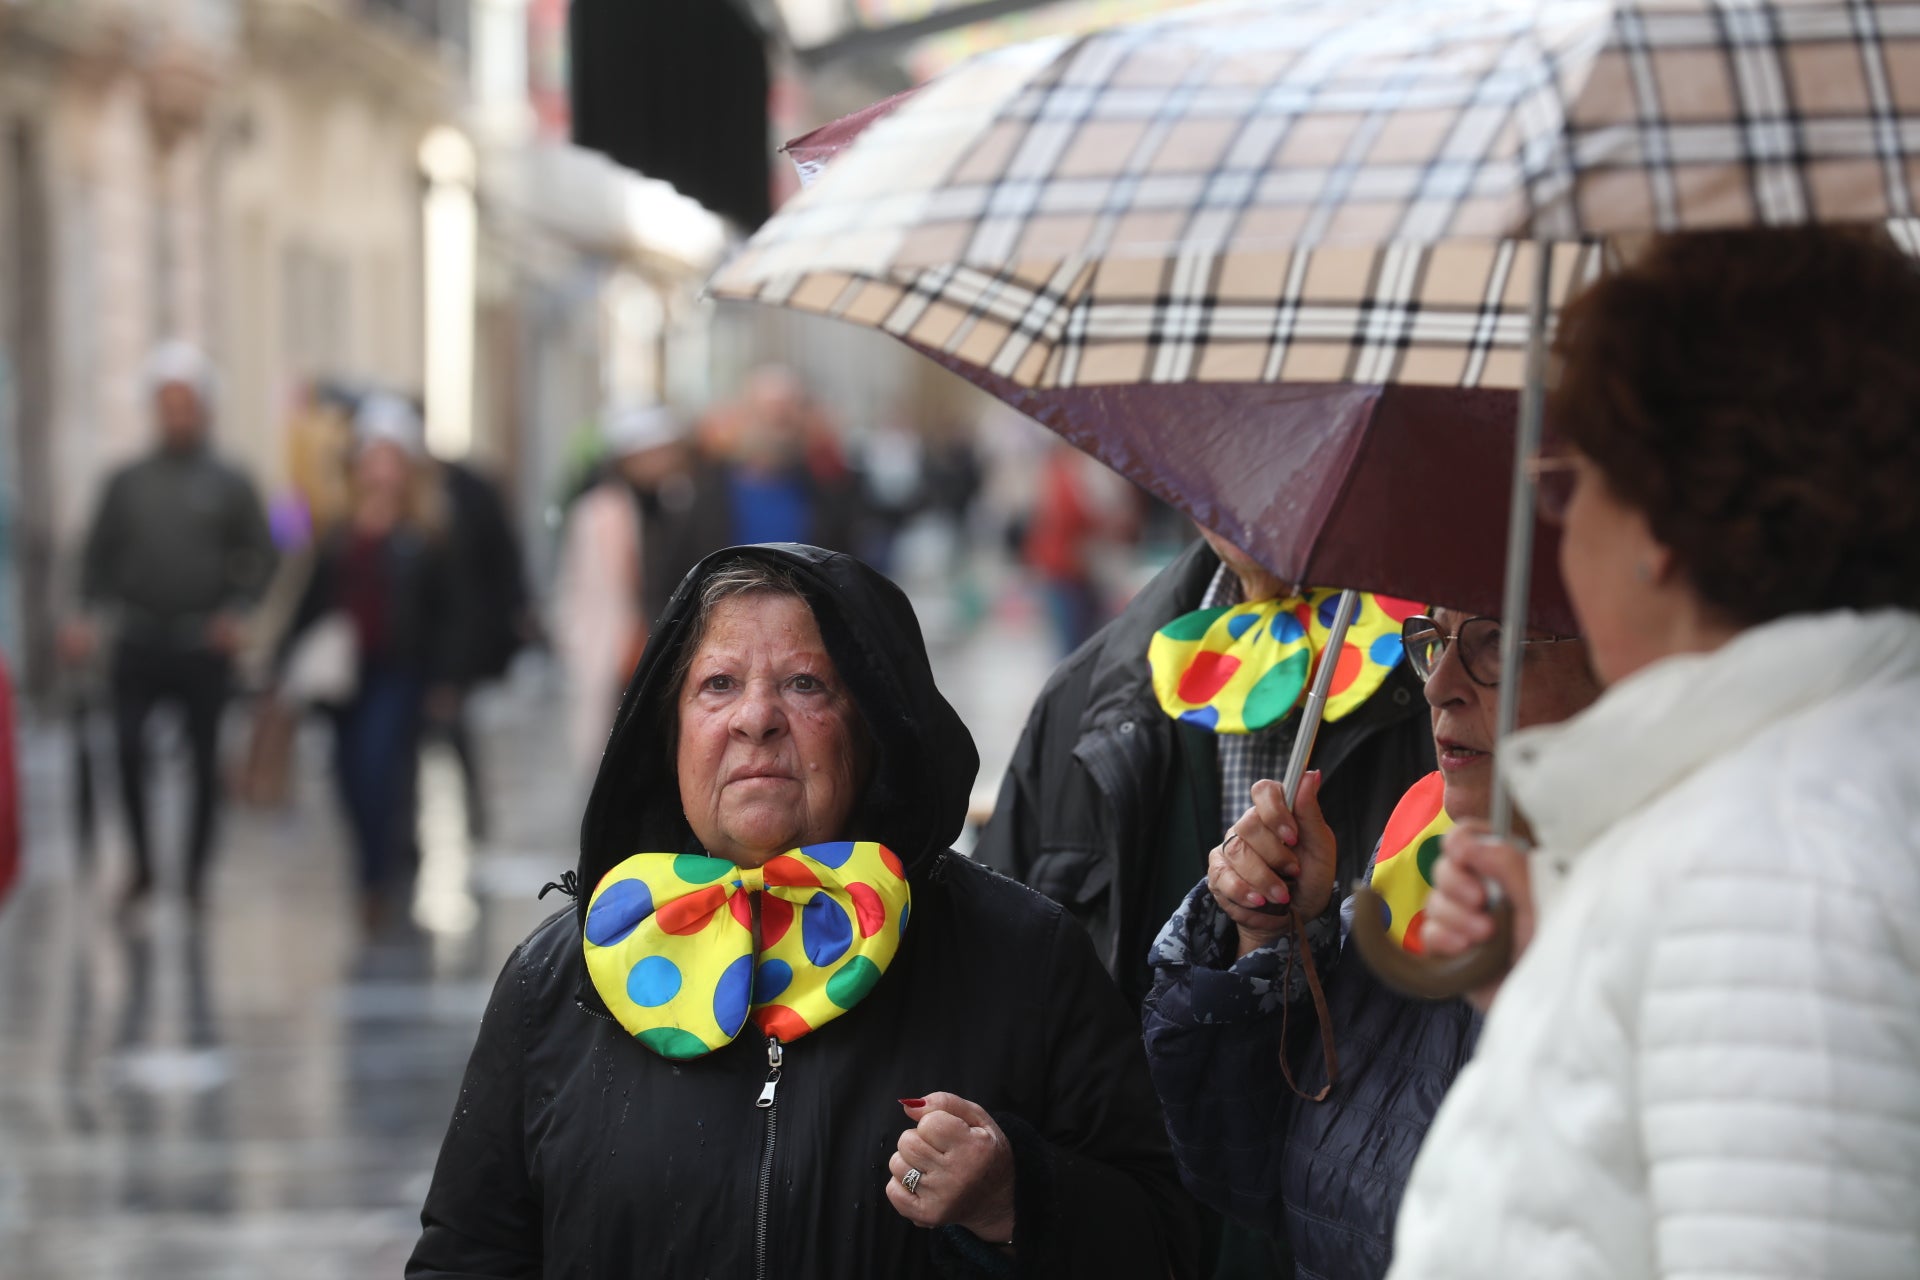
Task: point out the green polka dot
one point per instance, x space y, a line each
672 1042
1426 856
1275 692
695 869
1192 626
850 985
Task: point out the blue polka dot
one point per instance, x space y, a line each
1386 915
1286 628
1205 717
1241 623
905 907
774 977
730 996
1388 650
1328 609
618 911
834 854
825 930
653 982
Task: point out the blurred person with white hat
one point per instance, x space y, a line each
375 637
178 552
629 540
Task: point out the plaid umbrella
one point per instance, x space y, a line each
1380 191
1294 190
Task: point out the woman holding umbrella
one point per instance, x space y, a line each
1707 1061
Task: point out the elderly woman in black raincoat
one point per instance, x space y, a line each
784 1031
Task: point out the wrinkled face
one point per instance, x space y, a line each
772 754
182 418
1554 684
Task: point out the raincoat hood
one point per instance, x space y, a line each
924 758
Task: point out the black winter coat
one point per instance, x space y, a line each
1084 812
576 1152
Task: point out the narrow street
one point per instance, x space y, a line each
261 1095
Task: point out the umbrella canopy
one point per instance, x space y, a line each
1296 190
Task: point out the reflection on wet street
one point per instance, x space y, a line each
257 1093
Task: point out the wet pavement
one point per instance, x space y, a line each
259 1092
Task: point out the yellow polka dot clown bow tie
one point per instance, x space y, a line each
1243 667
1403 873
670 945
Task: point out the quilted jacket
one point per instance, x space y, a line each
1708 1061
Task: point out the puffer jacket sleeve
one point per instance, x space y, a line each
1779 1062
1095 1190
1213 1040
482 1220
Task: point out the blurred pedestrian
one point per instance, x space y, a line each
629 540
382 581
1707 1058
489 574
785 479
1082 508
177 553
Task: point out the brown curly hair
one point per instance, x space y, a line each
1756 395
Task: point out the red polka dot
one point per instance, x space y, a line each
1348 670
868 910
1207 675
1415 939
741 905
779 1020
789 873
690 914
1395 608
892 861
776 917
1415 812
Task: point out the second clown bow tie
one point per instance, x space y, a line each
669 942
1240 668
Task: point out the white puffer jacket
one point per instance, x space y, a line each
1708 1062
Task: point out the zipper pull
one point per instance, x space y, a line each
774 1055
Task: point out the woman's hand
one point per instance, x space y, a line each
1268 847
1456 913
965 1164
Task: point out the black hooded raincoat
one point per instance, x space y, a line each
576 1152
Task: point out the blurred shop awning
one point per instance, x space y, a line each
678 90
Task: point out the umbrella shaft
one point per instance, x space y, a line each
1316 706
1526 443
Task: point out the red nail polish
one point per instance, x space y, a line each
913 1102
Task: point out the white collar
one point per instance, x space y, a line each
1649 731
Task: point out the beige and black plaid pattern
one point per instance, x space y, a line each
1311 190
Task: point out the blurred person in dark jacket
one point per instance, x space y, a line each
485 557
1327 1176
177 553
384 578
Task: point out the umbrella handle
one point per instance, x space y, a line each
1432 977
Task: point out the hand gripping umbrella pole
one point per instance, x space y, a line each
1428 977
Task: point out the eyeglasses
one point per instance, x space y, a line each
1479 640
1553 481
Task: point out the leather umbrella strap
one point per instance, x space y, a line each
1302 954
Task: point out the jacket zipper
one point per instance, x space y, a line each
769 1104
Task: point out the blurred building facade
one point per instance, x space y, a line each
351 192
